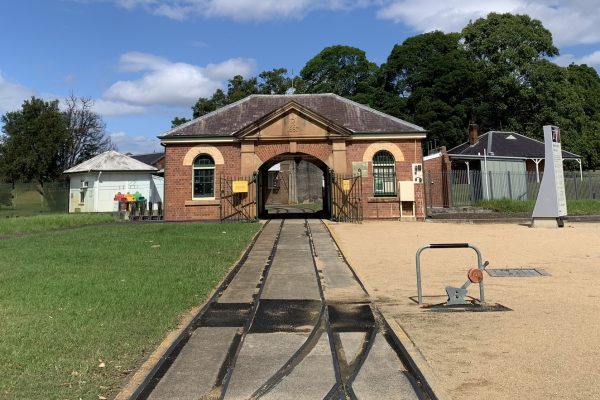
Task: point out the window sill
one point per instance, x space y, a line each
383 199
210 201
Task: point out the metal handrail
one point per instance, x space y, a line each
447 246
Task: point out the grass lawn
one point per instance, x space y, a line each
574 207
45 222
308 206
71 300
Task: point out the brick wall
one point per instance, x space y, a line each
179 204
389 207
435 174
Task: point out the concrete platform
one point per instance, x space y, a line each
316 370
382 376
289 310
194 372
261 356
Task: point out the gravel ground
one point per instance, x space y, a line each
547 347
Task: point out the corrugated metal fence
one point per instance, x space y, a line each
459 188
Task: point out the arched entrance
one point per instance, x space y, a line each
294 185
336 136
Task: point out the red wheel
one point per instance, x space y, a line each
475 275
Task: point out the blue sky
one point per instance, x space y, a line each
146 61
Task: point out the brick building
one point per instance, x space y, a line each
242 141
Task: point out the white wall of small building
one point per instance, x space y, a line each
102 188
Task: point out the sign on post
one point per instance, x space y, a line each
346 185
240 187
551 203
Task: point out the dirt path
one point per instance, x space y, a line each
547 347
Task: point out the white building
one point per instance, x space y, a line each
95 182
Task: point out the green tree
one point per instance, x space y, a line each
204 105
87 133
505 48
175 122
275 81
342 70
239 88
434 76
569 98
34 138
267 82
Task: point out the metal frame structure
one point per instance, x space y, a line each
481 266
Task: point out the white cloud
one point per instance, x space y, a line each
117 108
591 60
167 83
136 61
12 95
241 10
135 144
570 21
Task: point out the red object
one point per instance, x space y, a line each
475 275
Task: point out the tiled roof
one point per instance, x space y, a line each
111 161
149 159
353 116
505 144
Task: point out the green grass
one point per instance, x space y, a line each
308 206
71 298
574 207
46 222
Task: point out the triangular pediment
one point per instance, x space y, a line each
292 121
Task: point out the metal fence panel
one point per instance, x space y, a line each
461 188
21 199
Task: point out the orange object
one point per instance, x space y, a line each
475 275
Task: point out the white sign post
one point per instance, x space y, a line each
551 203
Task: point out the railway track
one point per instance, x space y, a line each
292 321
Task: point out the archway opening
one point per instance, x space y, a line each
294 185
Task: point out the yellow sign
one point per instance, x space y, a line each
346 185
240 187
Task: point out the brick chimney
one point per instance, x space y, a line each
473 134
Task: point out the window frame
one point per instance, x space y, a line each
384 174
203 167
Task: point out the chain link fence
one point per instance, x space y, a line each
461 188
23 199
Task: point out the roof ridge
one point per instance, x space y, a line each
217 111
381 114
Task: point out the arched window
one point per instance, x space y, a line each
204 176
384 174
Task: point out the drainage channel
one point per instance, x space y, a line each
293 322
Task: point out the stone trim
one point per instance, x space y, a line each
194 152
387 146
383 199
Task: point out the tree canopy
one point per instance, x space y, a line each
342 70
495 73
33 141
40 141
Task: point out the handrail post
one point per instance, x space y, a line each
480 265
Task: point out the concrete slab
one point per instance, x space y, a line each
352 344
292 286
194 372
382 376
241 293
312 379
261 356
